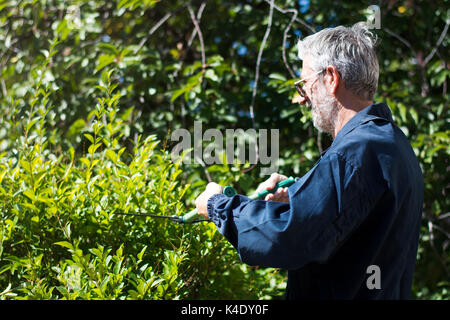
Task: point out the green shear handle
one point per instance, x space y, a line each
229 191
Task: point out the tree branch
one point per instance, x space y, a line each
200 37
402 40
156 26
255 86
438 43
191 38
258 62
205 169
285 35
284 11
194 32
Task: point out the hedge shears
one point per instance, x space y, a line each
193 216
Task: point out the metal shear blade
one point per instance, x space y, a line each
174 218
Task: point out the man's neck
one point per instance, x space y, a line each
348 111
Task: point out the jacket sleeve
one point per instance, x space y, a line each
324 207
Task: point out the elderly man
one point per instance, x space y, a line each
349 228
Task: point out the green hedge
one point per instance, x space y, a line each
60 238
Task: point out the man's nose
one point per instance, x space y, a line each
300 100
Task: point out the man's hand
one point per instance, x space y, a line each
281 194
202 201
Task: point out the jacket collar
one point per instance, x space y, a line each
378 111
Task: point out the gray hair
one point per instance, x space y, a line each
351 51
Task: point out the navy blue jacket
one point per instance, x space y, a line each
359 206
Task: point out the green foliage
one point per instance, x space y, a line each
59 236
90 92
61 239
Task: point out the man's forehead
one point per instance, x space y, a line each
305 72
306 69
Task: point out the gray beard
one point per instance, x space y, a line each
325 112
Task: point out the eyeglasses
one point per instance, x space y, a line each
299 83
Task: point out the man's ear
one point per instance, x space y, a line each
333 79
